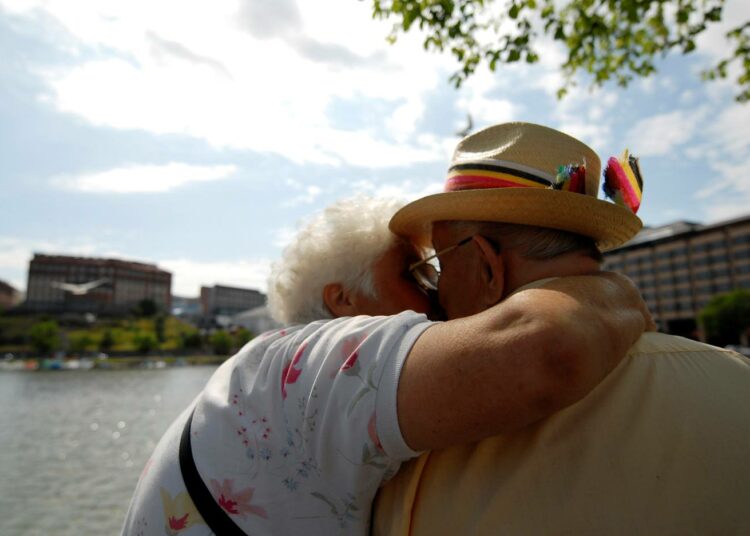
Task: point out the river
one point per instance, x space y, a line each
73 443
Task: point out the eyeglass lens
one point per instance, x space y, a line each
427 275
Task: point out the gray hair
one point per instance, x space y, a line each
534 243
339 245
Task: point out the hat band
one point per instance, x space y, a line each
476 176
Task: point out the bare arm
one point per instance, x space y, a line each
521 360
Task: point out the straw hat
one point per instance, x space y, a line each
525 174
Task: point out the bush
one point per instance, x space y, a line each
145 342
45 336
146 308
159 328
107 341
191 340
726 317
221 343
80 343
242 337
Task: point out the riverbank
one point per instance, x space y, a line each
109 363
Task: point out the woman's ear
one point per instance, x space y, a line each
338 300
493 271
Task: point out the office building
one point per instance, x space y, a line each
679 267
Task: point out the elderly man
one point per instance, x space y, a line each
659 447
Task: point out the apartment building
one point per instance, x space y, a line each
58 284
679 267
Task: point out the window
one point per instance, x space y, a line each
723 287
721 271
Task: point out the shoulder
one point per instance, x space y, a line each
661 343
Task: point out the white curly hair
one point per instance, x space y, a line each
339 245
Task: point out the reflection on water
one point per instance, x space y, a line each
72 444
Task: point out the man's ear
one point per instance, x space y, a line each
338 300
493 271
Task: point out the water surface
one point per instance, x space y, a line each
72 444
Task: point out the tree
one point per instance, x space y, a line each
191 340
609 39
159 328
107 341
45 336
221 342
726 317
146 308
145 342
242 337
81 343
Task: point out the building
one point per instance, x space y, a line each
679 267
9 296
220 300
58 284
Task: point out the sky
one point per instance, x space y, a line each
200 135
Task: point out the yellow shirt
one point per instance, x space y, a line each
661 446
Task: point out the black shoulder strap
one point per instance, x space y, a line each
213 514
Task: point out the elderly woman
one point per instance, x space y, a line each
331 268
296 432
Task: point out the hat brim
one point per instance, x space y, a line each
608 224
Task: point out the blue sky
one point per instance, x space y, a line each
198 135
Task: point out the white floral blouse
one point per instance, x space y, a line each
293 435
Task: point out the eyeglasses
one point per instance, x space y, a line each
427 274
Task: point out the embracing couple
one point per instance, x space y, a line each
512 391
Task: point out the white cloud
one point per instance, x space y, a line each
307 197
236 85
727 209
580 114
283 236
713 42
407 190
144 178
189 275
402 123
659 135
724 144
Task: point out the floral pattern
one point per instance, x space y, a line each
179 512
289 373
236 502
286 433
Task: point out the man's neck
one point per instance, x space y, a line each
521 271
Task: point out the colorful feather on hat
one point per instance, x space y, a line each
623 183
571 178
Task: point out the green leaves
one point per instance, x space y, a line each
740 37
726 317
608 39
